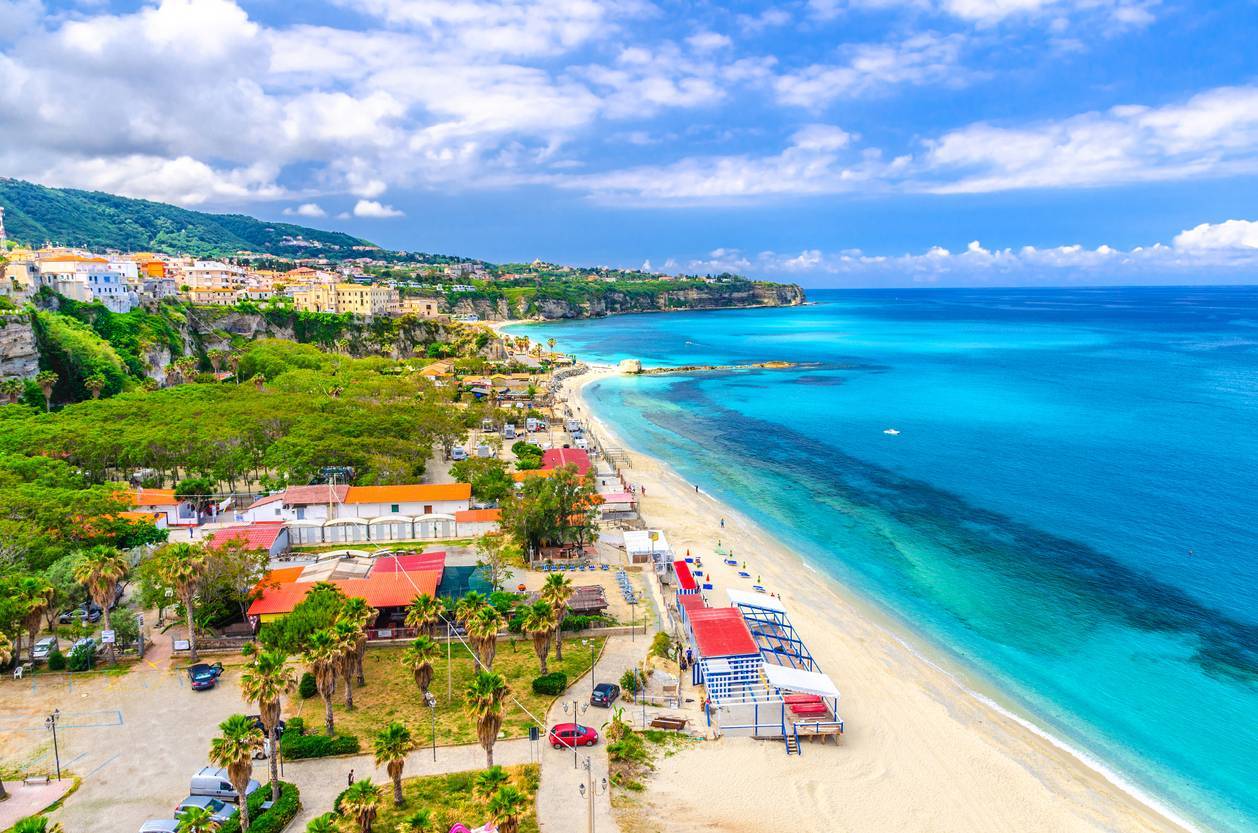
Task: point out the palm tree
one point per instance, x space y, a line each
34 597
483 629
197 820
47 380
233 361
346 636
418 822
36 824
538 623
424 613
341 345
361 802
391 746
183 567
484 697
264 681
418 656
11 388
94 384
360 614
323 656
325 823
505 809
489 781
100 570
259 381
187 368
467 606
558 590
233 750
217 357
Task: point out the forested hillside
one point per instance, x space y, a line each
35 214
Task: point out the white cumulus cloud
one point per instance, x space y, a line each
306 209
375 210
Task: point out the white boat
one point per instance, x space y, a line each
892 431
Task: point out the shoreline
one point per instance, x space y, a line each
1074 786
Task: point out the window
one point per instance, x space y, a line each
394 509
427 509
301 513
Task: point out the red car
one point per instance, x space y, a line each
568 735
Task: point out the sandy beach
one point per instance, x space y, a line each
922 751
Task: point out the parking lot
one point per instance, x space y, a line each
134 738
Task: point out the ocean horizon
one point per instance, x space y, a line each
1067 510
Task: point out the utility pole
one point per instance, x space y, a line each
51 723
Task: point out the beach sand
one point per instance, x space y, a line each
922 751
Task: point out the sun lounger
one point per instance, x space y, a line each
795 699
809 709
689 560
758 588
744 574
707 586
731 562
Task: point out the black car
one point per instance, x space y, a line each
202 675
257 722
604 695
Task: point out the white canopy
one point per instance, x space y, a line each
761 600
796 679
639 541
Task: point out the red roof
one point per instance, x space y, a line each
255 536
380 589
691 602
472 516
410 562
306 495
553 458
684 580
263 501
721 632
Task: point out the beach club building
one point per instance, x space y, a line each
271 538
178 513
646 546
352 514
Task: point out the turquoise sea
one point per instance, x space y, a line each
1070 510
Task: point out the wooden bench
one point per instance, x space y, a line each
35 780
672 724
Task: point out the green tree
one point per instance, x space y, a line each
424 613
183 567
346 636
483 701
47 380
357 612
506 807
539 623
100 570
233 750
488 477
322 656
391 746
557 589
489 781
418 657
265 680
361 803
482 629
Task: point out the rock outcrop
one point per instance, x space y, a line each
19 354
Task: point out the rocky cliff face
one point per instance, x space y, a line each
714 296
19 355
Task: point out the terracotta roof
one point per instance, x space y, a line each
472 516
305 495
285 575
263 501
380 589
409 563
684 579
721 632
414 493
255 536
553 458
154 497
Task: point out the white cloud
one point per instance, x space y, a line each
1229 235
1056 13
1229 250
375 210
872 68
707 41
306 209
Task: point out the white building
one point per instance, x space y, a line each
213 274
87 279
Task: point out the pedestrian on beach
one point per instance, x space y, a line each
722 523
696 489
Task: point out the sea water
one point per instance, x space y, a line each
1070 508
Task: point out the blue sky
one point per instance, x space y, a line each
831 142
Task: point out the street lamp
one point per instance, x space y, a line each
578 709
430 700
593 661
589 792
51 723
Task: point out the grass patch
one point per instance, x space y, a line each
390 693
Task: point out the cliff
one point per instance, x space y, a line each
596 301
19 355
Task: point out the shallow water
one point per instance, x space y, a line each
1071 507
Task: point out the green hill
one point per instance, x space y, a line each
34 214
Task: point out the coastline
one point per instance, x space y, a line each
927 748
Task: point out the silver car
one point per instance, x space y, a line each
220 810
46 646
160 826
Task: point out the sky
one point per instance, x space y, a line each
826 142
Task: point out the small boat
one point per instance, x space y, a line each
892 432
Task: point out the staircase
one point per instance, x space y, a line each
792 743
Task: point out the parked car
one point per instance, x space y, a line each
46 646
87 642
458 453
257 721
605 694
160 826
219 809
212 781
202 675
568 735
581 443
90 612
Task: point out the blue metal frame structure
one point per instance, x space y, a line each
777 638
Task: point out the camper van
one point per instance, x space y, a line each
458 453
572 425
483 450
508 431
533 424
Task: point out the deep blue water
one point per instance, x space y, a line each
1071 508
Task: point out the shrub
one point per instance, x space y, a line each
273 820
307 688
56 661
317 746
81 658
553 683
632 680
662 646
296 725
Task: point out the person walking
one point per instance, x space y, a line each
349 781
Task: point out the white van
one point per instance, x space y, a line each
212 781
458 453
483 450
508 431
581 443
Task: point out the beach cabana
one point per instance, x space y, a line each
346 531
685 580
776 637
647 546
727 659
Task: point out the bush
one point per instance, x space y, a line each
273 820
295 725
56 661
81 658
307 688
553 683
662 646
317 746
632 680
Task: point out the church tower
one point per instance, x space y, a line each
4 239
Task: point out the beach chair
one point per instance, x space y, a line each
689 560
605 568
758 588
730 562
707 586
744 574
